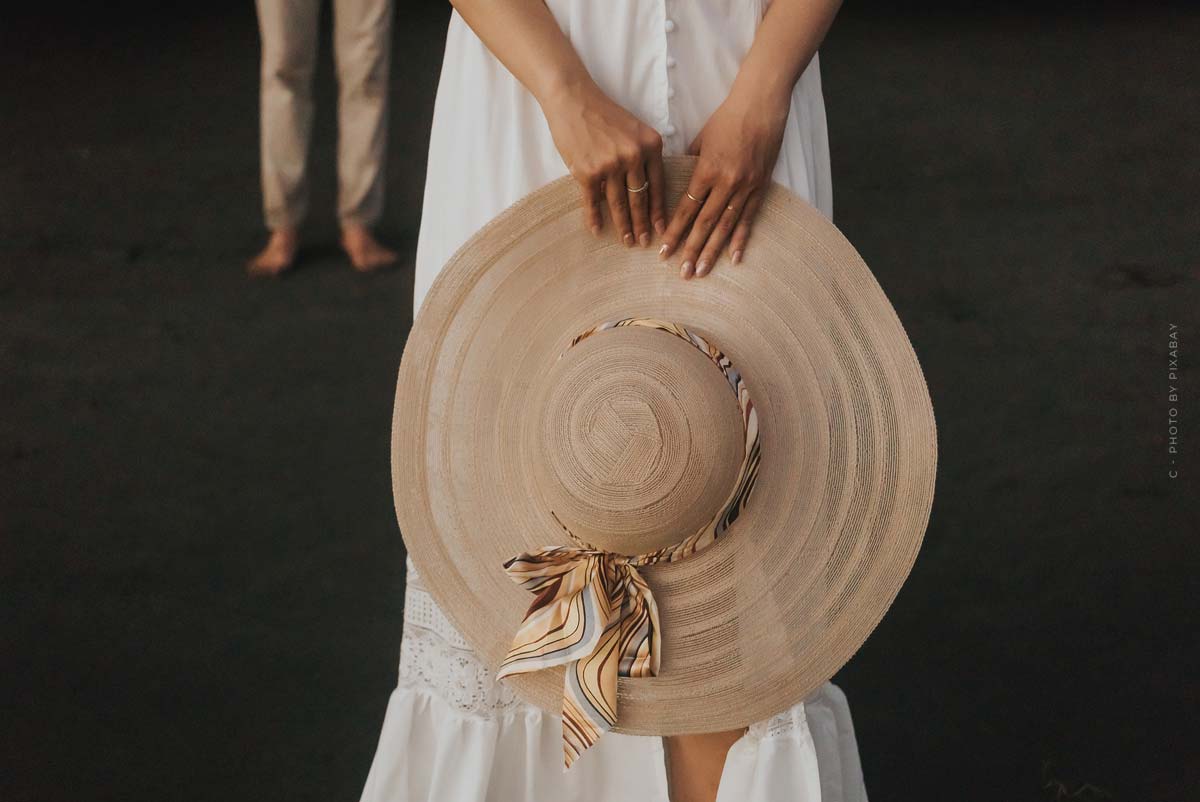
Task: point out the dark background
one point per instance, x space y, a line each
200 568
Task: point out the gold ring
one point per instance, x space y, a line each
642 188
693 197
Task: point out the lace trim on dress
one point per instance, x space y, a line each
435 657
791 723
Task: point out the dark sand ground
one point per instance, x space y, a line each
202 576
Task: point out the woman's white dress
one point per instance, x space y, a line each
451 733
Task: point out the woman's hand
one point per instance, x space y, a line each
612 154
737 147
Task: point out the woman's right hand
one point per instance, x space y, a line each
609 152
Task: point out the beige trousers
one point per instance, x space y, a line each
362 45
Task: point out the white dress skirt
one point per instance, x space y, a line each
451 732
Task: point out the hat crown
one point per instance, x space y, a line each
640 440
842 476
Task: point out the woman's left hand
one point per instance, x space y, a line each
737 147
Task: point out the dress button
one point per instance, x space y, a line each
670 61
669 130
669 25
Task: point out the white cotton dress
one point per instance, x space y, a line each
451 732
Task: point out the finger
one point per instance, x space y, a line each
618 204
592 201
721 232
702 227
639 204
685 211
658 191
741 233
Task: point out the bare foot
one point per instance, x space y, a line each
365 252
278 255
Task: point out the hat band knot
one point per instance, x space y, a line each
592 609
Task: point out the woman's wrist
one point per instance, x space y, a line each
563 88
765 88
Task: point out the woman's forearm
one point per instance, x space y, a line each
613 155
786 39
739 144
525 37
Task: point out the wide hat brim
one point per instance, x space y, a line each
760 619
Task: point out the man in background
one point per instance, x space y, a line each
362 45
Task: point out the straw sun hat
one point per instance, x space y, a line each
653 505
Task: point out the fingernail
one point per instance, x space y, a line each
737 257
596 231
702 268
660 227
662 252
685 270
644 239
627 239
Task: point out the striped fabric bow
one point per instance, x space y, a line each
592 611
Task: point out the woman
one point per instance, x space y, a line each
530 91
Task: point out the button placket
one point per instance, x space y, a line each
669 26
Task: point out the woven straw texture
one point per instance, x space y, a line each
634 441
